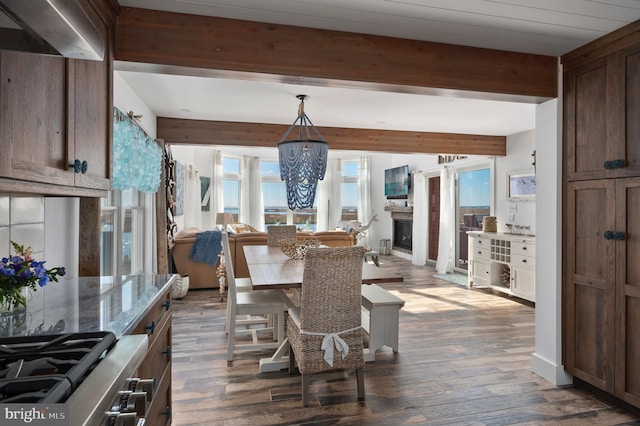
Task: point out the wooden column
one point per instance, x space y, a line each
89 257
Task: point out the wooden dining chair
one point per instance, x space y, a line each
276 233
252 303
324 332
242 285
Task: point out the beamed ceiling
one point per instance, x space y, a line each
207 67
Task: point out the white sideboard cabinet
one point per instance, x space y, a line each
505 262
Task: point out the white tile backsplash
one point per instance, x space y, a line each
27 210
29 235
4 211
22 221
5 247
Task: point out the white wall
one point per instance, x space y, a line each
202 159
546 361
520 146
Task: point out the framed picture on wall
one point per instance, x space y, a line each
521 185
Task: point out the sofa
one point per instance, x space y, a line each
202 275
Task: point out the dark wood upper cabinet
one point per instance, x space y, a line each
601 126
54 111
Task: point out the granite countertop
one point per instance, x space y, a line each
87 304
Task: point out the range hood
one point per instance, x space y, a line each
51 27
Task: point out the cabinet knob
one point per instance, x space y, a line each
167 304
524 260
619 236
608 235
524 249
608 165
167 352
151 328
167 412
76 165
79 166
618 164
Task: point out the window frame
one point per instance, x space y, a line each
234 177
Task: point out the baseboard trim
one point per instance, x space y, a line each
549 371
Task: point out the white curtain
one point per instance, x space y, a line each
420 226
192 209
364 196
444 263
251 201
217 200
329 197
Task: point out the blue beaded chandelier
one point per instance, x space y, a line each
302 161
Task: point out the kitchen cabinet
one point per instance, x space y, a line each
601 129
601 229
157 364
54 113
602 285
504 262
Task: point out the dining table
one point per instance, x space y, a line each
270 268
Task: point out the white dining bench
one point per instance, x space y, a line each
380 319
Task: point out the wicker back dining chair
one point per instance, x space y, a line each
276 233
262 302
329 316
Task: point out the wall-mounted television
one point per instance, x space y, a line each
397 182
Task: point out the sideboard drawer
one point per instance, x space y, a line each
524 249
479 253
523 261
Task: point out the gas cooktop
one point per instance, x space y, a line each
48 368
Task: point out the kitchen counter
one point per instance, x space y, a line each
86 304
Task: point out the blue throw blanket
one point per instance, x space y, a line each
206 247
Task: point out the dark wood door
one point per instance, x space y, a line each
589 285
33 118
434 217
590 132
627 367
91 103
601 110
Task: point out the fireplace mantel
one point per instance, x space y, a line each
399 209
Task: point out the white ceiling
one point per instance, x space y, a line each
548 27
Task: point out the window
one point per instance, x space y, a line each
473 202
232 174
122 233
350 172
274 193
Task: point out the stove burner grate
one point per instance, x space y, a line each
48 368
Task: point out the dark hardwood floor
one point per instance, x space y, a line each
464 359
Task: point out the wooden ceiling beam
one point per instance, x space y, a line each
321 57
202 132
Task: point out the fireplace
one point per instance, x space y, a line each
402 234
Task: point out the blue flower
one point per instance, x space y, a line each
20 271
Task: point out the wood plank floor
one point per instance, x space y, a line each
464 359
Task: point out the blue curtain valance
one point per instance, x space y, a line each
137 158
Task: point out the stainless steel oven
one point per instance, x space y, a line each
90 377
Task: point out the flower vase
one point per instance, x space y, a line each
13 319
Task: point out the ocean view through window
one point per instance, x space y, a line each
473 203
